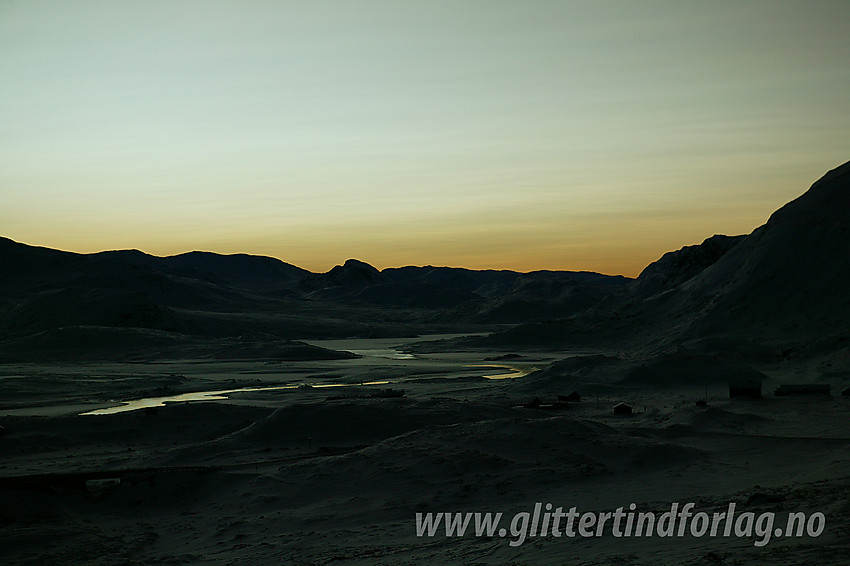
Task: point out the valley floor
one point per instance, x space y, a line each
320 471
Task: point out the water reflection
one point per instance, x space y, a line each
216 395
386 353
515 372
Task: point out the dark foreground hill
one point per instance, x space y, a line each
782 288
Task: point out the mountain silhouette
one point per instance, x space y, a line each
200 302
784 287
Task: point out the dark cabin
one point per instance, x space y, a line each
745 388
622 409
574 396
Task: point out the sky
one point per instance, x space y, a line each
484 134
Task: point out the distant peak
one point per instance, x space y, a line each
357 264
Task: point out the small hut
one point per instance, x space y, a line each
574 396
745 388
802 389
622 409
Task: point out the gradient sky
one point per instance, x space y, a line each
522 135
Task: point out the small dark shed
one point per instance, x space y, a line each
745 388
622 409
